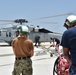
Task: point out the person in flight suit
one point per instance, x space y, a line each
23 49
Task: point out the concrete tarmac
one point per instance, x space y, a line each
42 63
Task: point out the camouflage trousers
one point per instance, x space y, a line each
23 67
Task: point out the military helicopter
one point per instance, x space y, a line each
7 34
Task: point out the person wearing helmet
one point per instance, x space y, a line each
69 43
23 49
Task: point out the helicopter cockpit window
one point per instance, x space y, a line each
17 33
0 33
9 34
6 34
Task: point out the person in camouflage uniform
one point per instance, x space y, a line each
23 49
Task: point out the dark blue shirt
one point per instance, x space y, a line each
69 41
57 40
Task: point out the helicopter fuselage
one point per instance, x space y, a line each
8 34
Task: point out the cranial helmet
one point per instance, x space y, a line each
70 21
24 29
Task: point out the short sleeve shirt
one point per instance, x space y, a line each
69 41
57 40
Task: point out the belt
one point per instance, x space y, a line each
19 58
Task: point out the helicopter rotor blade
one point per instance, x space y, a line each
15 21
25 21
6 21
49 22
54 16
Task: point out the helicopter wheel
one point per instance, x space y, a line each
55 68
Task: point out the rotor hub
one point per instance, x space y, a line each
21 21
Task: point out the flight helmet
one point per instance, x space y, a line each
23 29
70 21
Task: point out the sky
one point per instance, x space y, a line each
33 9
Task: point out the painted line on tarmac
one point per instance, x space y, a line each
3 55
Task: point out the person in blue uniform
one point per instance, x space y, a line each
55 40
69 43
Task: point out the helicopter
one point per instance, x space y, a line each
7 34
